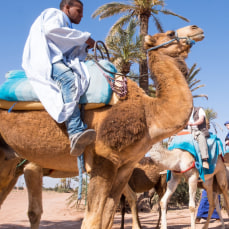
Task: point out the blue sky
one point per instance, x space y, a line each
211 55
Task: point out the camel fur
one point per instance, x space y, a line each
180 160
125 131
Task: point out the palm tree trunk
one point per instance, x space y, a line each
143 68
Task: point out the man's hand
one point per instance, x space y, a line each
90 42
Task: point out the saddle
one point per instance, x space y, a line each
16 93
184 140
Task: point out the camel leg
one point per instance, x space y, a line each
160 189
218 210
122 178
160 194
123 210
132 200
171 187
208 184
33 177
100 185
192 183
223 184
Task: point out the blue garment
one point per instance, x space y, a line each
227 137
67 82
204 206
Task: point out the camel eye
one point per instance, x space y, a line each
171 34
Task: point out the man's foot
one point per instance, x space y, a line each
80 140
205 164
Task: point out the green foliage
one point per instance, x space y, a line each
73 201
193 82
134 9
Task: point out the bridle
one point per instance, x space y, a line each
189 41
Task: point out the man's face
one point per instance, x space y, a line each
227 125
75 12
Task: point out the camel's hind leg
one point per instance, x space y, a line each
33 178
218 210
223 184
132 200
208 184
171 187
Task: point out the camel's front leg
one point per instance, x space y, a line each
102 177
33 177
132 200
192 183
121 180
171 188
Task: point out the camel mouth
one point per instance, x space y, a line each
197 36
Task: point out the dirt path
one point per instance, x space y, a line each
58 216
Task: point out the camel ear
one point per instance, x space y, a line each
149 41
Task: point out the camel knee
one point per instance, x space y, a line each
191 209
162 205
34 217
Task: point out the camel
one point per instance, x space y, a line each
181 160
146 176
125 131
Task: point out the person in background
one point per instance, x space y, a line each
227 136
198 125
53 60
202 212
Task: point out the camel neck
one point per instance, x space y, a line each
173 103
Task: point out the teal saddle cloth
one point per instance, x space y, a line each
187 142
17 86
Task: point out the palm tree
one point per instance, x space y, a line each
210 116
124 47
142 10
192 81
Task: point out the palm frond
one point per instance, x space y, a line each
111 9
201 95
169 12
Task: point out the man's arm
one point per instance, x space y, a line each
197 122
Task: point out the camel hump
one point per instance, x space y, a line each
17 92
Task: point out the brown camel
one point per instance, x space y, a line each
125 131
145 177
215 182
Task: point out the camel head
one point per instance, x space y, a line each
8 163
174 43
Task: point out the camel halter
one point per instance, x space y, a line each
189 41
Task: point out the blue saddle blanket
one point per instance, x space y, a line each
17 86
187 142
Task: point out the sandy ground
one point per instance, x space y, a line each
57 215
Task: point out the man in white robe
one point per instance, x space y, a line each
53 61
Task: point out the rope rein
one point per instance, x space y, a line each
119 86
189 41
